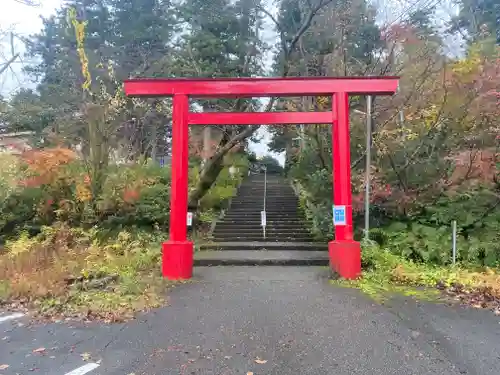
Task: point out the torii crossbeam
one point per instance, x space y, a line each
344 252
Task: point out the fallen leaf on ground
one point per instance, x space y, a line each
249 373
3 367
39 350
260 361
85 356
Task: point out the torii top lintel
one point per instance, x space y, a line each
261 87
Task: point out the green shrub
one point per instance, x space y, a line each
224 188
425 237
315 197
135 195
226 185
272 165
385 274
18 203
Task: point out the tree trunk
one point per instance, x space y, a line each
98 147
214 165
207 143
208 175
154 142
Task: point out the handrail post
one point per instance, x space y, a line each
265 194
368 164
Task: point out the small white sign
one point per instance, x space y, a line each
339 215
263 218
189 219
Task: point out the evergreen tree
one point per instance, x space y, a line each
133 38
142 36
478 18
221 40
129 38
342 41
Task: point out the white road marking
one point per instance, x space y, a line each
83 369
10 317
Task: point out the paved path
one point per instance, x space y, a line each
291 320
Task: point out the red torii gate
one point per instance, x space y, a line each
344 252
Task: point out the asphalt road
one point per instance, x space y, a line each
262 320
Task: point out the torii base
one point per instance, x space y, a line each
345 258
177 260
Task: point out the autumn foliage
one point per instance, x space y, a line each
54 184
435 156
46 166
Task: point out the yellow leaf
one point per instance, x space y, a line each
85 356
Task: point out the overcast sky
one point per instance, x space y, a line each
25 20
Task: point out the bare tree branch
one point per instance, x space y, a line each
305 25
31 3
9 62
213 166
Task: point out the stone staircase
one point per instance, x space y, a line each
238 238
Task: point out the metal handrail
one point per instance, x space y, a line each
258 168
265 187
265 198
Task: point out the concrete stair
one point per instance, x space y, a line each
238 239
262 258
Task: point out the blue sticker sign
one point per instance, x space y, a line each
339 216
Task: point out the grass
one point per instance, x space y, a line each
68 272
386 274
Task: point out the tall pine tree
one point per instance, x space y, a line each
128 38
341 41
